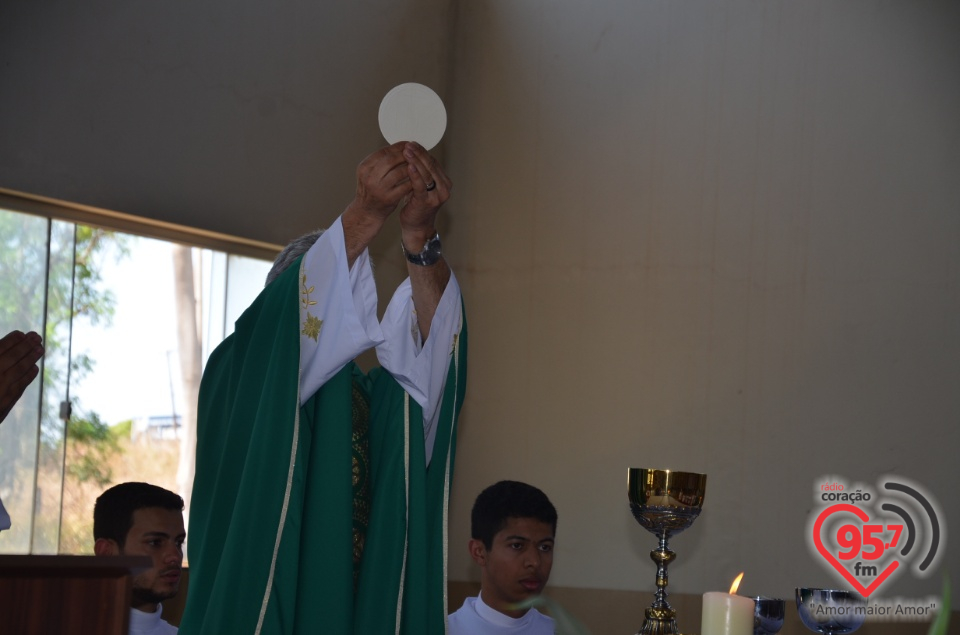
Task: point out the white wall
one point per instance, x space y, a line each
707 236
246 117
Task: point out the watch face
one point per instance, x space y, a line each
428 255
433 246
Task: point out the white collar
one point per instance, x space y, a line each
143 620
494 616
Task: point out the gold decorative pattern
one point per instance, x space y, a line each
305 301
311 326
360 447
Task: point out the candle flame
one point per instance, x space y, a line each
736 584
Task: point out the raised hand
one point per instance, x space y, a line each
19 354
382 181
430 188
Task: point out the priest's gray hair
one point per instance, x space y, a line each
296 248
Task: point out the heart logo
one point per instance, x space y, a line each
829 557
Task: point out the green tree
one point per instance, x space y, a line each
53 268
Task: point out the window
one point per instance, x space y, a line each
128 322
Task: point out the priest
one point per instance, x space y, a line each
321 492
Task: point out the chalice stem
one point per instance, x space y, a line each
660 618
662 556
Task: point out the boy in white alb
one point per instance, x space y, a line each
512 527
140 519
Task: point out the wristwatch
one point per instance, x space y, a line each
429 255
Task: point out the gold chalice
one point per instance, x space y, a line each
665 503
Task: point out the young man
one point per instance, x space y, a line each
139 519
513 526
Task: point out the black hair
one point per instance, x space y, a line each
113 511
504 500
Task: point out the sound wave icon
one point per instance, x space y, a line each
911 525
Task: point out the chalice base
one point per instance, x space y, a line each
659 621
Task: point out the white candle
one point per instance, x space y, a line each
726 614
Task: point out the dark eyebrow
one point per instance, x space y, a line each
525 539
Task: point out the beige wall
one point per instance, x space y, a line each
708 236
713 236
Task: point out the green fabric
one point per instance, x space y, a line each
246 421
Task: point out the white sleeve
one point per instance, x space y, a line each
338 310
421 371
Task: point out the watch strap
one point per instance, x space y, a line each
429 255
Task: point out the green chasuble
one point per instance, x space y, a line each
271 537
